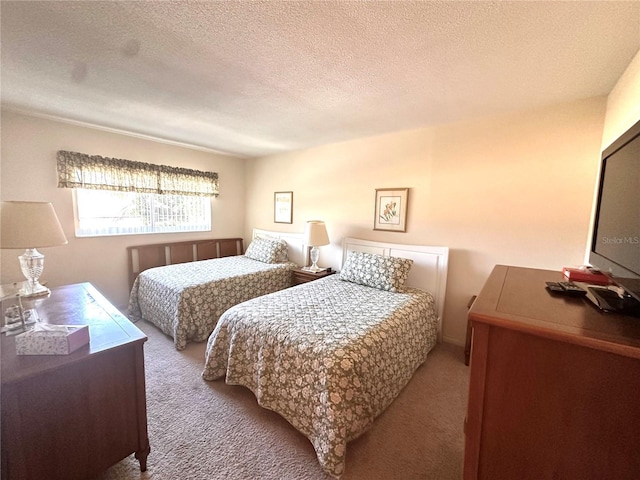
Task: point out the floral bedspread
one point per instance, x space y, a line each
329 356
185 300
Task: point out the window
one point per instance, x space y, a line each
119 197
106 212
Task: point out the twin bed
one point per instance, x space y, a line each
185 300
330 355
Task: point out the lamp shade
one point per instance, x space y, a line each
315 234
29 225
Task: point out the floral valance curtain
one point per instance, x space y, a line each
78 170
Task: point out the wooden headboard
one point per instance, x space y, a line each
142 257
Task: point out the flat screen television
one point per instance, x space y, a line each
615 242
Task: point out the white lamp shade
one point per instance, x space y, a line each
315 234
29 225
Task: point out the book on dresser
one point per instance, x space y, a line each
585 275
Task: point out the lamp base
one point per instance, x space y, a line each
33 290
314 268
32 265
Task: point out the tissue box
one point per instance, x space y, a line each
45 339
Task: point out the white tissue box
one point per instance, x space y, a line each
45 339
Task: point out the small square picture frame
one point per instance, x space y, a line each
391 209
283 207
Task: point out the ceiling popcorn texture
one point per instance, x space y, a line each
262 77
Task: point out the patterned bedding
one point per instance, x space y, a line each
186 300
329 356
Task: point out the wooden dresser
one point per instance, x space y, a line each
72 416
555 385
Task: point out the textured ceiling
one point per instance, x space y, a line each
256 78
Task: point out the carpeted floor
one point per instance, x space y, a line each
210 430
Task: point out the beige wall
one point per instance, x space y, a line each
510 190
623 111
623 103
28 170
515 190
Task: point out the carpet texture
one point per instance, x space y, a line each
210 430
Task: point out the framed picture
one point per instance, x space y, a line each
283 207
391 209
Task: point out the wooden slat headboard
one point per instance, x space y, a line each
142 257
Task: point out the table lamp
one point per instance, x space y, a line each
315 235
30 225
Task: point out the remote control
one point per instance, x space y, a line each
566 288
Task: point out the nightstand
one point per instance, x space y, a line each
299 276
